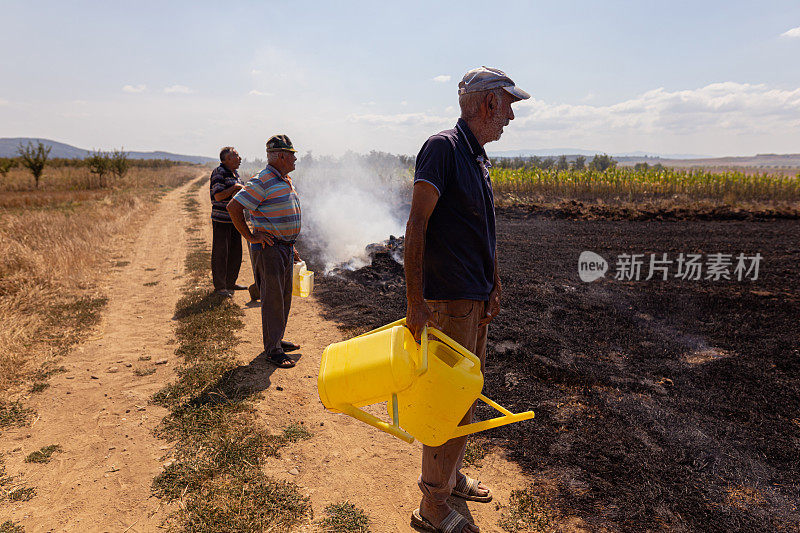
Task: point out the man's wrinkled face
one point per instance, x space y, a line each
289 159
232 160
500 115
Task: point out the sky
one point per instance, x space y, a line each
702 77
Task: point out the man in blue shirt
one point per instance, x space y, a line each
451 265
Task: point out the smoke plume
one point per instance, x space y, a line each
350 202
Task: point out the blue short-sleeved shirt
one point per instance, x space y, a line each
458 261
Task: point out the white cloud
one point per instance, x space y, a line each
177 89
4 102
794 32
729 106
443 78
134 88
718 118
255 72
255 92
404 103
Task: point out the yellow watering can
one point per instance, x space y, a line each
302 280
428 387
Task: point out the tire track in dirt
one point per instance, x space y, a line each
99 410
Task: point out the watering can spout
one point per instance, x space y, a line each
428 387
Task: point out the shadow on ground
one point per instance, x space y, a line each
241 382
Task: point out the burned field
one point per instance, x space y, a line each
669 405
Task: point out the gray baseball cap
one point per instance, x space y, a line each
486 79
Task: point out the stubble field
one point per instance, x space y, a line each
660 405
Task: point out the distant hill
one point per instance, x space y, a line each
8 148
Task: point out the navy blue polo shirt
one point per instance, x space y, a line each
458 261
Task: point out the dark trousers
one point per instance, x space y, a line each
273 266
255 292
226 255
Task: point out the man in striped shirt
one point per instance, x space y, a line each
274 208
226 243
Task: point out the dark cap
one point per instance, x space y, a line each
486 79
278 143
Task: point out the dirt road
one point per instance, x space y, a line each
98 411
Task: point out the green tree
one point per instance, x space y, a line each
119 163
34 158
6 164
547 163
561 163
579 163
641 167
602 162
99 164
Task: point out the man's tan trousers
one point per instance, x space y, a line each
441 464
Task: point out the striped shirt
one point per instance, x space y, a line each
221 179
273 204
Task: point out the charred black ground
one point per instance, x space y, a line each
659 404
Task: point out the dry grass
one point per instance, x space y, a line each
77 180
476 450
528 511
13 414
11 527
43 455
21 494
54 243
344 518
745 497
296 431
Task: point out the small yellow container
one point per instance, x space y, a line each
302 280
428 387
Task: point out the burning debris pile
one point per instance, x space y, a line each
385 270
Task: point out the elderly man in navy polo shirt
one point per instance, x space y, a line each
451 265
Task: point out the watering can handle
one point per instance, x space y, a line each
458 348
423 363
507 418
422 366
376 422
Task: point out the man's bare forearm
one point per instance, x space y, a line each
412 261
236 211
227 193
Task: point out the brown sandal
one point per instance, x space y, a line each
467 488
453 523
281 360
